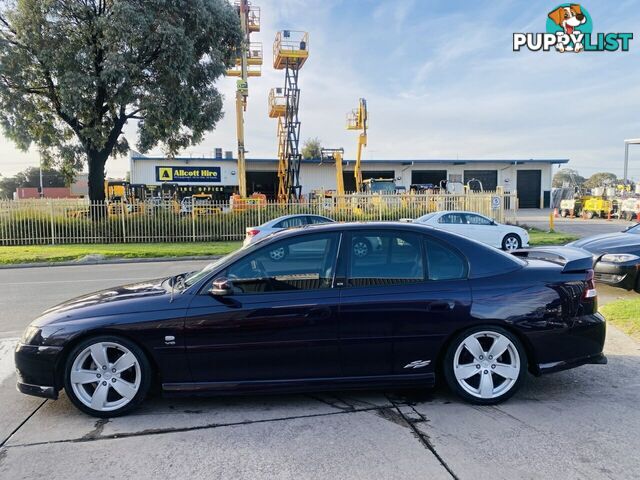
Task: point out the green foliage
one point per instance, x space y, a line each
59 253
569 176
600 180
30 177
73 73
624 314
312 148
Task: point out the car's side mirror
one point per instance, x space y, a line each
221 287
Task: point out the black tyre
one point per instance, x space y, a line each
590 214
564 213
485 365
361 247
107 376
511 242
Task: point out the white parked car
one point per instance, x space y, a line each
478 227
281 223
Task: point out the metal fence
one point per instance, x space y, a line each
61 221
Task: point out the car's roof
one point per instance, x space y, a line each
293 215
485 260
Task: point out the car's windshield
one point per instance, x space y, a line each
633 229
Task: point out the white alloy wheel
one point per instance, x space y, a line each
105 376
511 242
486 364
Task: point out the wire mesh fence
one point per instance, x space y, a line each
61 221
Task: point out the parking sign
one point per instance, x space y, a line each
495 203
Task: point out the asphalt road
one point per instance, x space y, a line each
582 423
540 219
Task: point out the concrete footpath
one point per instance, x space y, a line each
582 423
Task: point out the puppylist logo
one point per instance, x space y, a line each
570 29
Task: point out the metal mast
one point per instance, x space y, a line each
290 51
248 64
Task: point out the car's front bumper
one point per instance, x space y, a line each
36 368
623 275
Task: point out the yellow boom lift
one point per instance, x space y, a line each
357 120
290 52
248 64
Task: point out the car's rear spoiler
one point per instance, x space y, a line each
570 258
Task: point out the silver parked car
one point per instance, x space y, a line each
281 223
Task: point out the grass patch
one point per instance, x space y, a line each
538 238
624 314
59 253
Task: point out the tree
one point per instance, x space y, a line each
73 73
30 177
601 179
568 175
312 148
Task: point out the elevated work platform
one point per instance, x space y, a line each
277 103
253 16
291 48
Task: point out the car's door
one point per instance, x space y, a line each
391 314
280 321
447 295
483 229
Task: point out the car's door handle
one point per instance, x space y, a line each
443 306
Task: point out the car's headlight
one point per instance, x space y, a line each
30 334
619 257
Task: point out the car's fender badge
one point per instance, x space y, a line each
169 340
418 364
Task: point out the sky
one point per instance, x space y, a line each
441 81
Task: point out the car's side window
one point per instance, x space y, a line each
444 263
311 220
477 220
291 222
300 263
455 218
385 258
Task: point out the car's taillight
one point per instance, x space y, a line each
252 233
589 287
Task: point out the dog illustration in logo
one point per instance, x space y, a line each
569 18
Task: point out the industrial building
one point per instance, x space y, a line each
218 175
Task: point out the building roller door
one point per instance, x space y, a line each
528 184
423 177
489 179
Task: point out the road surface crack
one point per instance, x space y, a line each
421 436
161 431
2 444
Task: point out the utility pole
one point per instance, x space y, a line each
41 187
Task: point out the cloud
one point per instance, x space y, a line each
441 81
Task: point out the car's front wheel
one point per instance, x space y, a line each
107 376
485 365
511 242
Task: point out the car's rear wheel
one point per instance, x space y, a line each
511 242
361 247
107 376
485 365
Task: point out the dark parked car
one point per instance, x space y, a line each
616 257
421 302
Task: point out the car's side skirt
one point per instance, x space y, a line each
297 384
